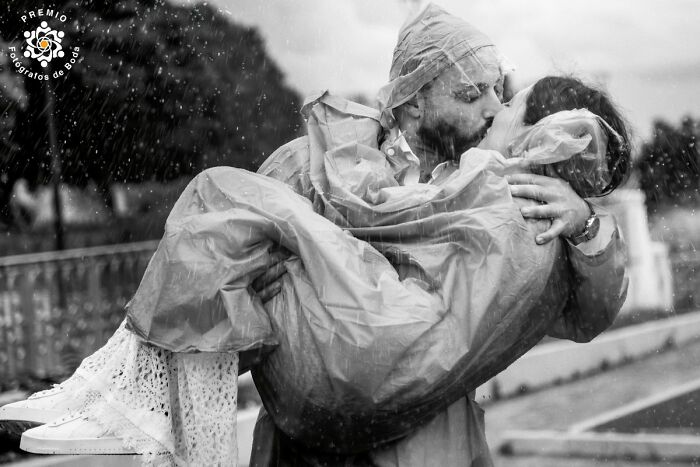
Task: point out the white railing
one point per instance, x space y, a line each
58 307
685 268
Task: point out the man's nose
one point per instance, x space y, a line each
492 106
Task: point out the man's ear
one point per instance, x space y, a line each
414 107
410 113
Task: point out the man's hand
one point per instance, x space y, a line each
269 283
567 210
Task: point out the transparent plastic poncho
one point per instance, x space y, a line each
423 294
429 44
571 144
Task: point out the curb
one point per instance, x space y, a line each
601 445
556 362
624 432
637 407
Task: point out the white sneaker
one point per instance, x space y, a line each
73 434
39 408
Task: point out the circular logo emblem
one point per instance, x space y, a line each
43 53
44 44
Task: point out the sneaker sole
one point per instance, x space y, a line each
38 445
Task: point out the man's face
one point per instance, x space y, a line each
457 115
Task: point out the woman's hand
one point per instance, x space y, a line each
559 201
269 283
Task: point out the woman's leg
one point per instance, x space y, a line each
173 407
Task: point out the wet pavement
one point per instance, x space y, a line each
562 406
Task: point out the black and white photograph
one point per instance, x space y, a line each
349 233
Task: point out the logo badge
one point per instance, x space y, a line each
44 44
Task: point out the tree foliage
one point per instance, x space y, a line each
669 165
160 91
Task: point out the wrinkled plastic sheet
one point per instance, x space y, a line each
571 144
425 293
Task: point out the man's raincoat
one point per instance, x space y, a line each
426 291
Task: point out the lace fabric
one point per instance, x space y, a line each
174 408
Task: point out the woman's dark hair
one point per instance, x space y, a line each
555 93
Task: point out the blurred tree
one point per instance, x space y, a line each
12 102
669 165
160 91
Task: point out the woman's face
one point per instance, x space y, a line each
507 124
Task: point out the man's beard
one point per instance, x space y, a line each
448 141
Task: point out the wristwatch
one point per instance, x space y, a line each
589 231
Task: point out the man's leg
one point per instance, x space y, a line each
272 448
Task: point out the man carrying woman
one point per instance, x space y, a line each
371 336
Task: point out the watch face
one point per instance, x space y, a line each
589 232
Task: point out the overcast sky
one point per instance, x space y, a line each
645 52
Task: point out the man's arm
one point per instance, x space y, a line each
288 164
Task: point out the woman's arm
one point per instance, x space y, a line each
599 283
